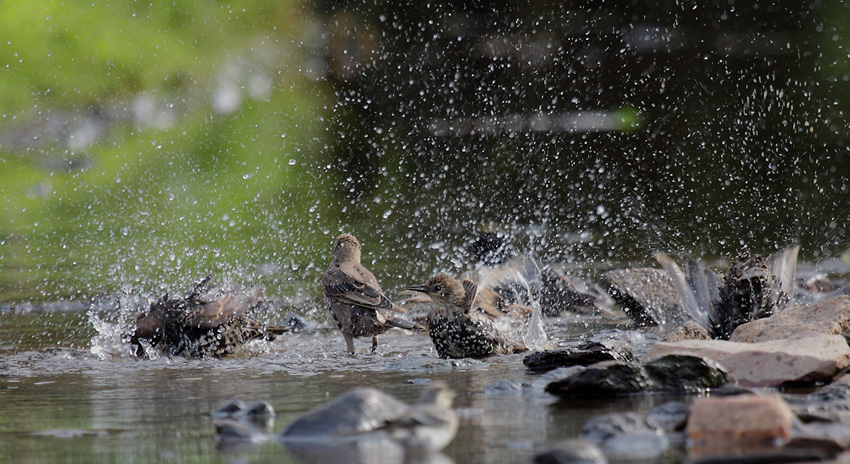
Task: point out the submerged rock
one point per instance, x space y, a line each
830 317
647 295
626 435
582 355
671 416
573 451
807 359
611 378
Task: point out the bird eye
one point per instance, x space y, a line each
437 288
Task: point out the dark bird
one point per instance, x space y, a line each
355 300
457 330
753 288
197 326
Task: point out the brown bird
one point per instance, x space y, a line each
457 330
355 300
197 327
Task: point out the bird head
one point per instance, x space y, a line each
444 290
346 247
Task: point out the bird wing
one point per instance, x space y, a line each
343 287
783 265
470 292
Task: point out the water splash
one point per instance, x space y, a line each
111 339
520 275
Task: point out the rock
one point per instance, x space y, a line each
369 415
734 425
690 330
636 446
573 451
626 435
808 359
581 355
830 317
609 378
647 295
827 439
600 428
612 378
829 404
671 416
685 373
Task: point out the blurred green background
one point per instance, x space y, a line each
144 144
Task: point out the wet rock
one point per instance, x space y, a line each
671 416
574 451
807 359
685 373
611 378
582 355
626 436
690 330
734 425
831 317
647 295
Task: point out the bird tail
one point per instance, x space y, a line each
277 329
402 323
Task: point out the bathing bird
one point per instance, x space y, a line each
200 326
753 288
457 330
355 300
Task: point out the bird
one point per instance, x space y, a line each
754 287
199 326
457 330
355 299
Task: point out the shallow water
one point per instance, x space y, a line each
62 403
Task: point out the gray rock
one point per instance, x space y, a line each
671 416
573 451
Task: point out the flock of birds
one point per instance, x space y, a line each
462 323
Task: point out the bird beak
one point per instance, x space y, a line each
418 288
